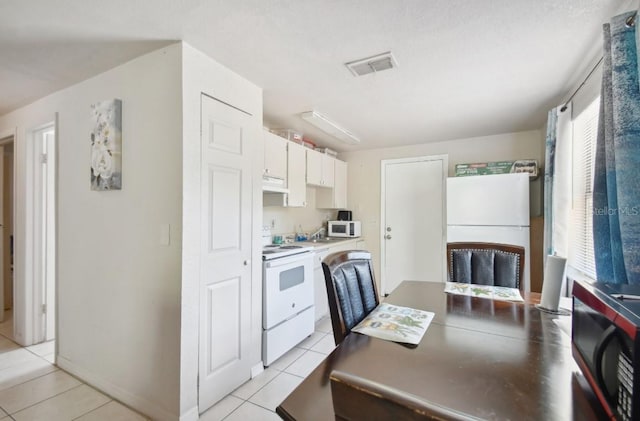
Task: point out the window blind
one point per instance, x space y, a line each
585 132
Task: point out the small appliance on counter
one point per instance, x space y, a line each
347 229
605 341
344 215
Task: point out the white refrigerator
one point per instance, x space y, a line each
490 209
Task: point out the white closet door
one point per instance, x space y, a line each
225 271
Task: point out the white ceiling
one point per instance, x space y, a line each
466 68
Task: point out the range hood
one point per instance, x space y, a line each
273 185
273 189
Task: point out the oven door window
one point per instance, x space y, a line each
291 278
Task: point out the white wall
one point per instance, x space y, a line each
364 171
118 288
203 75
284 220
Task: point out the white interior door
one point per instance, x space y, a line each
225 275
413 220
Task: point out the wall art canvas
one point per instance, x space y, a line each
106 145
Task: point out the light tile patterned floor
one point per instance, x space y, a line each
258 398
32 388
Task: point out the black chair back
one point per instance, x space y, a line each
351 289
486 264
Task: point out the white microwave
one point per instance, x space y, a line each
345 229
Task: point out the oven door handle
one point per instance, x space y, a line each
598 354
283 261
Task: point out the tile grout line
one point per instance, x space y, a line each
56 368
42 357
50 397
305 350
28 380
94 409
244 401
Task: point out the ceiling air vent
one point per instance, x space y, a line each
378 63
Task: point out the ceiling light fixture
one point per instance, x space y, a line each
329 127
374 64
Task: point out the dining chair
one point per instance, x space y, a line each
356 398
351 289
486 264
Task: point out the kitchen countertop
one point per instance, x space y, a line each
324 243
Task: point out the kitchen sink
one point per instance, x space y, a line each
326 240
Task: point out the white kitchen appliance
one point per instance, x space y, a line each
287 298
490 209
344 229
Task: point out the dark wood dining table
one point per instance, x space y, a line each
494 360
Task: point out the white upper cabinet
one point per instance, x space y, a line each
335 198
328 168
296 165
320 169
314 168
275 156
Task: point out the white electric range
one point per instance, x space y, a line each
287 298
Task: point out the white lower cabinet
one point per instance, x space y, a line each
320 288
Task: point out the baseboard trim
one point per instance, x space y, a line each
138 403
190 415
257 369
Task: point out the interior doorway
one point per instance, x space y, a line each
28 233
6 225
413 226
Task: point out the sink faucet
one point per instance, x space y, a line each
318 233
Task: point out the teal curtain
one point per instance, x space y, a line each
549 175
616 189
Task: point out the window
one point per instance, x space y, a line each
585 132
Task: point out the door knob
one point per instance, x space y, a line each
388 229
246 263
388 237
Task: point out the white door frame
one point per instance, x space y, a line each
445 172
28 320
